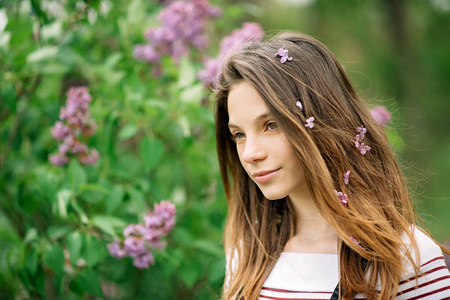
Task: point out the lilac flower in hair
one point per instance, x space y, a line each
309 122
284 55
356 242
363 148
299 104
342 197
361 131
346 176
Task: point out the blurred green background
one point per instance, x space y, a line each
155 134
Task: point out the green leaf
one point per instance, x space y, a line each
128 131
73 245
93 187
56 232
54 258
208 246
151 152
90 282
43 53
82 215
193 94
9 98
187 73
190 273
136 12
112 60
52 30
137 199
183 122
115 198
92 250
107 224
32 261
77 175
31 235
76 288
63 200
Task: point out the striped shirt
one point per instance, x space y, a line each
311 276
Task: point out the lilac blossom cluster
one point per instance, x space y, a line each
250 32
74 127
139 239
381 115
363 148
183 24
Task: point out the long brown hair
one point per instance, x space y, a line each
379 208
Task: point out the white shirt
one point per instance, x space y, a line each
304 276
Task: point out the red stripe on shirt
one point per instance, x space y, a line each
423 284
430 293
434 259
422 274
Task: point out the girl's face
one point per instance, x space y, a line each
263 149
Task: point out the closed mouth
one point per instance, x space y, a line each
264 176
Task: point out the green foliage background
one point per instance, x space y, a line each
156 137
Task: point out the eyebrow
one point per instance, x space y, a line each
256 120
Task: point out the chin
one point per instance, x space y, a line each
271 195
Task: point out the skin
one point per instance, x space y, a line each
271 163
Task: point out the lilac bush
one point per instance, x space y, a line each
75 126
183 25
381 115
250 32
140 239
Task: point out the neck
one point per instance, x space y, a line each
312 229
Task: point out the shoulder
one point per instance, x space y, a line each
427 249
433 279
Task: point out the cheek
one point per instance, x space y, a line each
239 151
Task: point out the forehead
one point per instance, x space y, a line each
245 103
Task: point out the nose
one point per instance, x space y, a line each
254 150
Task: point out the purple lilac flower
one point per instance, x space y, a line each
183 25
356 242
116 250
284 55
140 239
91 158
309 122
342 197
162 218
58 159
346 176
363 148
249 33
60 131
381 115
361 131
75 126
143 261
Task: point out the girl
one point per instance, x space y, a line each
317 203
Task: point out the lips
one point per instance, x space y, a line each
264 176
